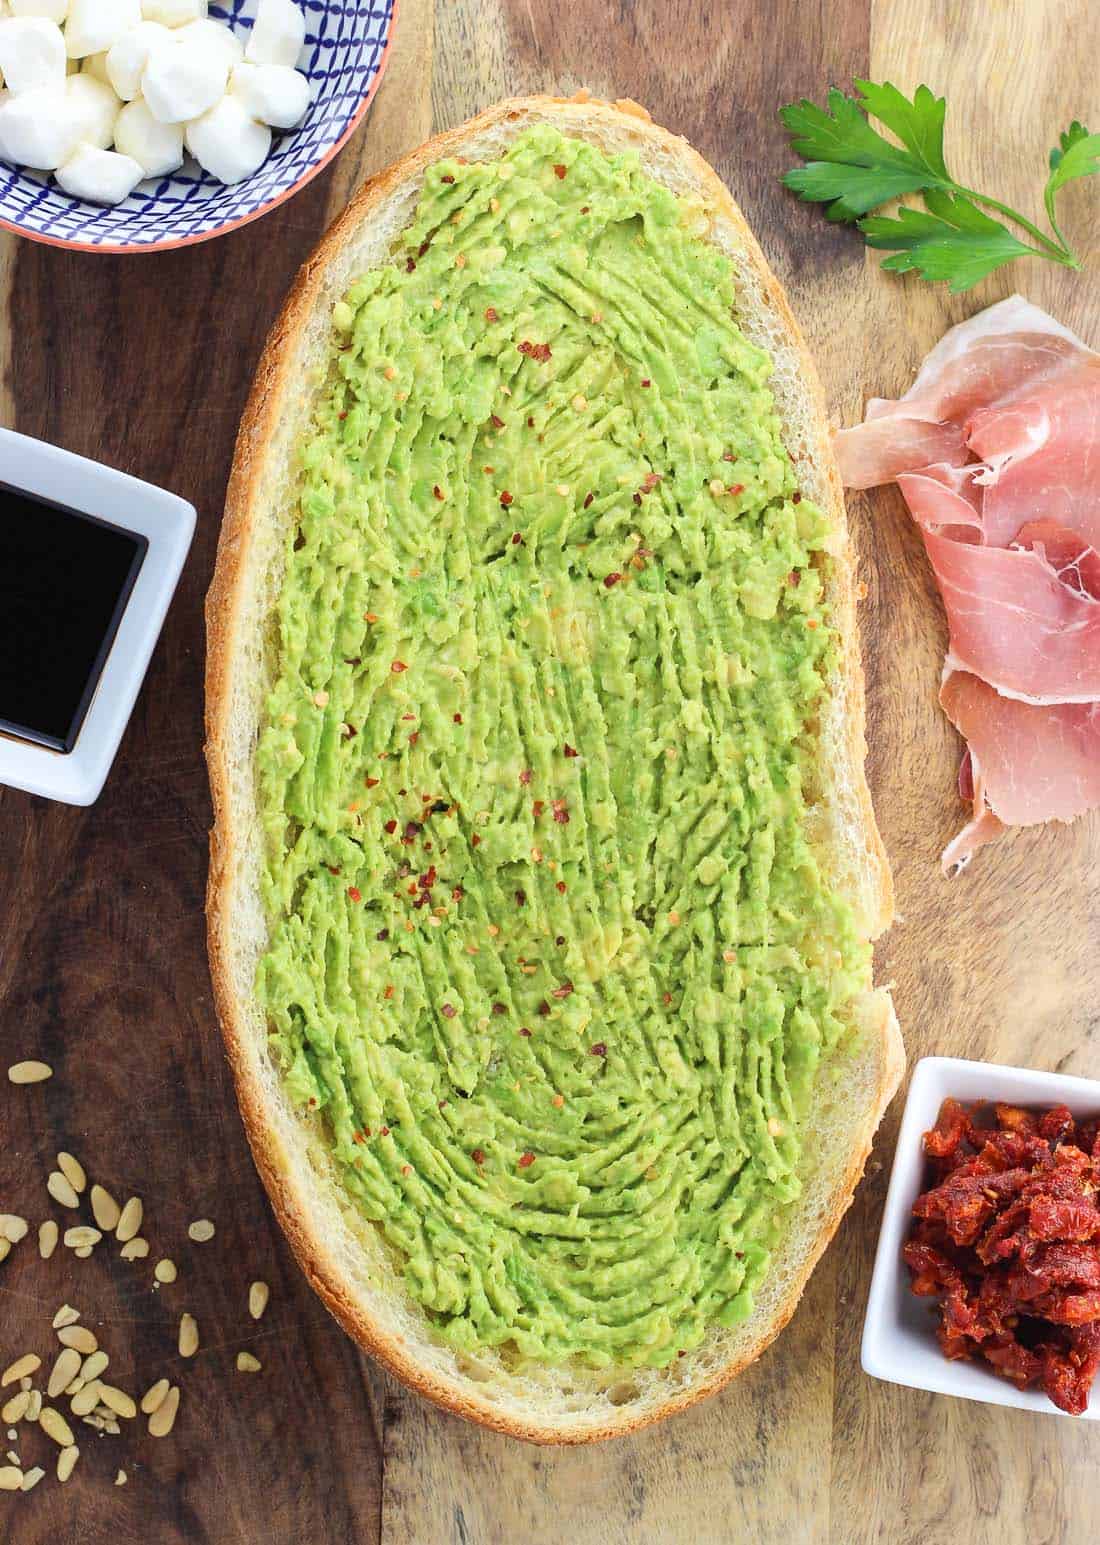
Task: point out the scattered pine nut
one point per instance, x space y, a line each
246 1363
120 1478
66 1315
22 1368
105 1210
29 1072
258 1295
61 1189
80 1337
12 1227
163 1418
189 1335
85 1400
165 1271
135 1249
118 1401
48 1234
93 1366
11 1479
73 1171
54 1425
66 1461
81 1236
16 1408
5 1249
13 1459
34 1405
63 1372
129 1220
82 1252
32 1477
153 1396
201 1230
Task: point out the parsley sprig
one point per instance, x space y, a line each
853 169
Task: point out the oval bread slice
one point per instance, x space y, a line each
341 1253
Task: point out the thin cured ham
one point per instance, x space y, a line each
996 450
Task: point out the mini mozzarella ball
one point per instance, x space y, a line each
93 25
183 80
100 176
37 128
215 35
227 143
95 108
173 13
271 93
52 10
126 59
32 53
156 147
277 34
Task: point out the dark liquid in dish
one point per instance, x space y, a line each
65 578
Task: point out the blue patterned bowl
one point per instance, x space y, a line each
345 52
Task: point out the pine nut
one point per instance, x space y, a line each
73 1171
64 1371
94 1365
85 1400
258 1295
246 1363
66 1315
16 1408
48 1233
135 1249
54 1425
118 1401
189 1336
129 1220
105 1210
81 1236
66 1461
201 1230
165 1271
61 1190
29 1072
153 1396
22 1368
12 1227
32 1477
11 1479
80 1337
163 1418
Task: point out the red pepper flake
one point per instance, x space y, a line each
423 247
524 1030
560 171
728 456
599 1050
437 490
354 893
521 898
536 351
384 1131
412 829
387 994
372 783
666 999
543 1009
516 538
563 991
560 939
526 1159
505 498
391 827
447 178
530 423
406 1169
332 869
650 481
588 500
478 1156
382 935
561 814
397 666
584 209
458 718
410 265
496 421
735 489
491 314
637 498
342 416
537 807
796 498
610 580
448 1011
475 841
569 750
561 887
645 381
360 1137
428 878
525 775
414 737
794 577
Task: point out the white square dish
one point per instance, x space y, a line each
164 524
899 1341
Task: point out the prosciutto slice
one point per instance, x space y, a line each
996 450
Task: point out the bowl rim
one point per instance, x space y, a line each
169 244
886 1343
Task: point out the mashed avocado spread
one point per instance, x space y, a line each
549 947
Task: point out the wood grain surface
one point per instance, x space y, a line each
145 363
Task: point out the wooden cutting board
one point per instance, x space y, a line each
145 363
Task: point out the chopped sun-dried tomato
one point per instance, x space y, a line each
1008 1240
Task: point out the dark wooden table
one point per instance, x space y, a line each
145 362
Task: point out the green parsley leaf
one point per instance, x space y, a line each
852 169
952 241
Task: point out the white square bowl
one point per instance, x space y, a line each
899 1340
